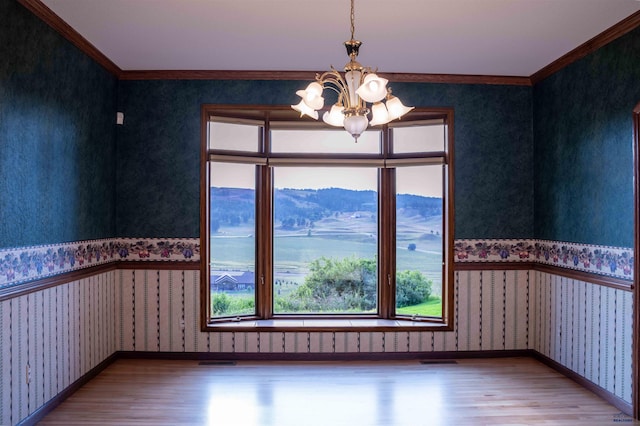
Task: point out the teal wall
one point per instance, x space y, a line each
57 136
583 134
158 163
493 156
159 152
68 173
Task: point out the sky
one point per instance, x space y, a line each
417 180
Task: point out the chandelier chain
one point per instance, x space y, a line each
353 16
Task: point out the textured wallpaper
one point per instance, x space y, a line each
57 136
158 152
584 147
63 179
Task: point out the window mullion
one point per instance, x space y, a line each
386 249
264 276
266 226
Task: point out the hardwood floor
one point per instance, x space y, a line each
505 391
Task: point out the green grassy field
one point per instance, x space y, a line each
337 236
430 308
293 254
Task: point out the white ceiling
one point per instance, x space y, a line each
473 37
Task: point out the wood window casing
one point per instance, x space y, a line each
385 319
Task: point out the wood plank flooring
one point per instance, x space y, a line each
505 391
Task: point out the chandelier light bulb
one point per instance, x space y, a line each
396 108
373 88
335 117
379 113
304 109
312 95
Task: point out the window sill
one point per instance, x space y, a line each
327 325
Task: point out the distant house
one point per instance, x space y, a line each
233 281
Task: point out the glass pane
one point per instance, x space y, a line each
324 141
423 138
232 239
325 240
419 232
234 136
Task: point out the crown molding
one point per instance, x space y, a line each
607 36
458 79
307 75
43 12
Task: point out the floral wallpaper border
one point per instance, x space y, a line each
20 265
602 260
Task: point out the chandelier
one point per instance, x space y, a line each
359 87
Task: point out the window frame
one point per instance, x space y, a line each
385 319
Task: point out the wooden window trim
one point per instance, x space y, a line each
264 320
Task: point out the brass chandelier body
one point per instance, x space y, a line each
356 89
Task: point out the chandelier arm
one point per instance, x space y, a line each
331 75
335 89
341 90
334 81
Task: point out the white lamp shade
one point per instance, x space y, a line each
312 95
373 88
356 124
335 117
352 78
379 114
396 108
304 109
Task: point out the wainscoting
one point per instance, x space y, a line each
63 332
50 338
158 311
586 328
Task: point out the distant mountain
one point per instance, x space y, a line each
302 207
419 205
231 207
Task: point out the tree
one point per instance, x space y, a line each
350 284
412 288
220 303
288 223
339 284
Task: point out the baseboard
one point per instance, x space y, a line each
50 405
612 399
322 356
